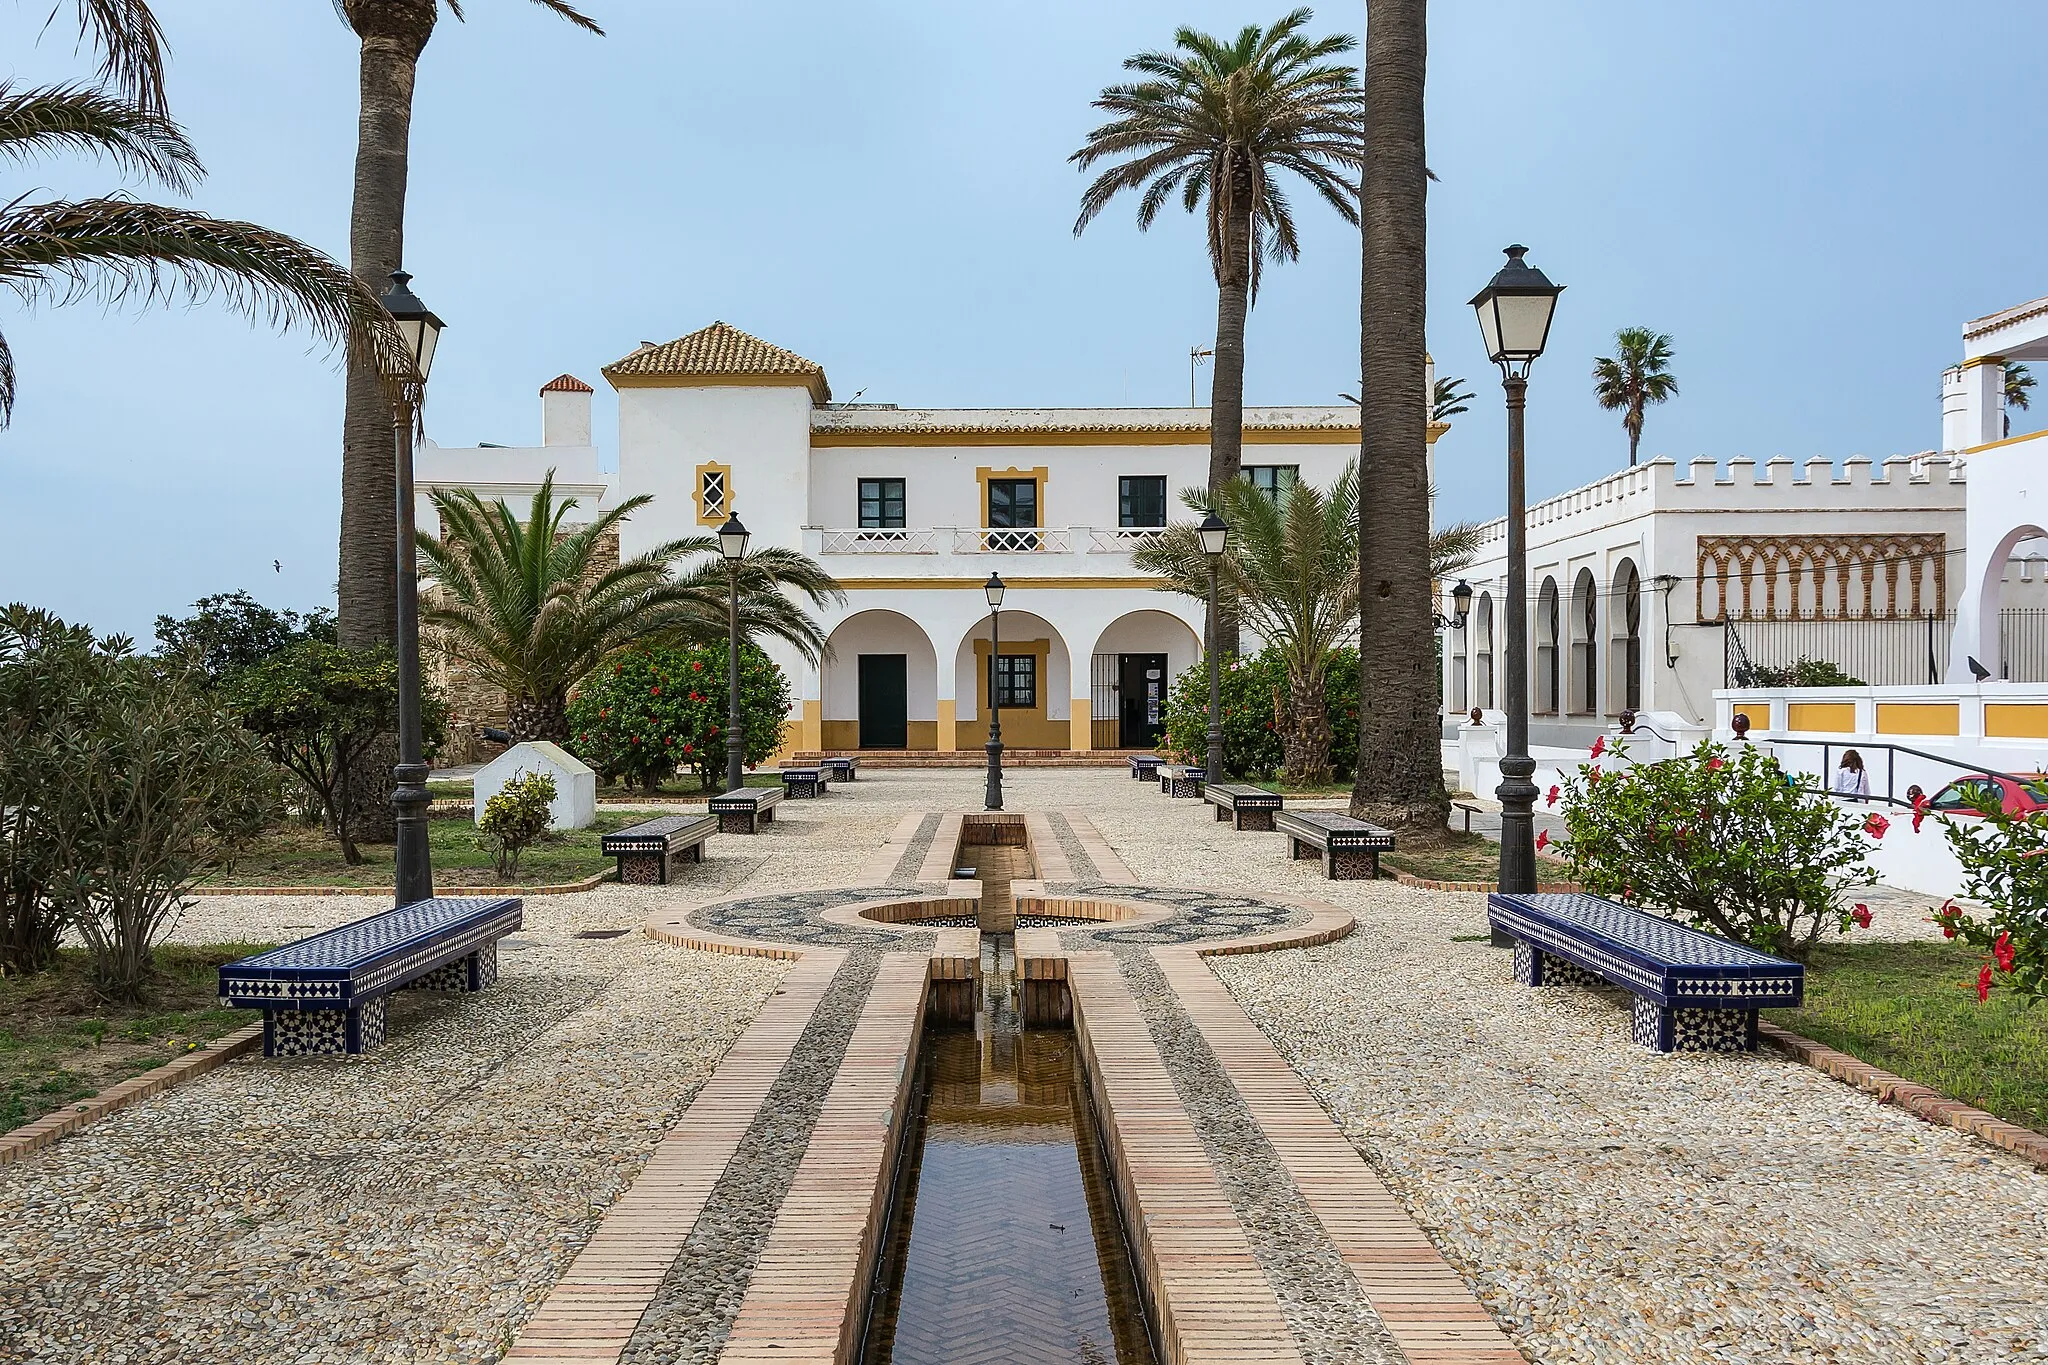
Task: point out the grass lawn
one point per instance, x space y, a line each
1276 785
297 856
60 1042
1904 1007
1466 858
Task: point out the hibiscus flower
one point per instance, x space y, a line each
2002 950
1542 839
1715 765
1984 983
1599 745
1593 776
1919 812
1860 916
1551 799
1876 825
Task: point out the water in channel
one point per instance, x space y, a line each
1004 1244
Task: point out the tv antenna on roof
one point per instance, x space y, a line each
1196 354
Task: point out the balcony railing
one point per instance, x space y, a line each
983 540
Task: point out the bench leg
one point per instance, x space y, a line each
323 1033
768 816
481 967
735 822
1352 865
1256 821
1528 964
643 869
696 852
1301 851
1534 967
1692 1030
1224 814
450 976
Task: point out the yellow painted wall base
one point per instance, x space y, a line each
2015 720
1823 717
845 734
1081 719
792 740
1918 718
942 734
814 725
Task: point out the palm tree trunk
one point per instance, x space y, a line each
1307 736
1400 768
1635 436
1226 392
539 718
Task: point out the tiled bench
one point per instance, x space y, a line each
805 782
1246 807
645 850
1350 848
326 994
1693 992
1178 779
844 769
746 810
1144 767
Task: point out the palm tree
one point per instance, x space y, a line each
115 248
1636 376
1400 771
530 605
1216 122
2017 384
393 33
1446 402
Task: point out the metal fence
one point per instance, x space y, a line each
1882 653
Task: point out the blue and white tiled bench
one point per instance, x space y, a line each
1144 766
646 851
746 810
1245 806
1350 848
326 994
1178 779
1693 992
802 782
843 769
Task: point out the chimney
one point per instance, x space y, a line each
565 412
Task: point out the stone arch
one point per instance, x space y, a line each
1121 702
1625 639
1582 626
1484 656
882 634
1548 663
1046 722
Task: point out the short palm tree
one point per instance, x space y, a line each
115 248
1216 122
529 605
1447 402
2018 387
1637 375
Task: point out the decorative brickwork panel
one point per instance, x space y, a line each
1812 577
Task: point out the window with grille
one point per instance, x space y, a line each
1017 680
714 493
1273 479
1141 500
881 504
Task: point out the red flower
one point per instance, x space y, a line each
689 748
1542 839
696 665
1860 915
636 739
2002 950
1946 918
1984 983
1876 825
1599 745
696 696
603 711
668 739
1715 765
1919 812
1551 799
653 691
1593 776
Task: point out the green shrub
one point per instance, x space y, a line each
516 815
650 712
1723 838
1802 672
1255 691
2005 866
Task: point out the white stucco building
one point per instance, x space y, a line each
912 509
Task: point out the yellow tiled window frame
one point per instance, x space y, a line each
713 492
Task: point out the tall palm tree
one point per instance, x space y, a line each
530 606
117 249
2018 386
1216 122
1637 375
392 33
1400 772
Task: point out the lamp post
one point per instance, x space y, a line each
732 544
1514 311
994 590
1461 608
414 873
1215 534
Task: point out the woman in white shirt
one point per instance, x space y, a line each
1850 779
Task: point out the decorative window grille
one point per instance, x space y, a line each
714 494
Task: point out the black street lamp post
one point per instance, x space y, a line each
994 590
732 544
1215 534
1515 310
414 873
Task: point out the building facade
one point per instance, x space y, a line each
912 510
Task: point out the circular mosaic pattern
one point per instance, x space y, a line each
797 917
1198 917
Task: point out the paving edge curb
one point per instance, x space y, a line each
40 1133
1916 1099
590 883
1431 884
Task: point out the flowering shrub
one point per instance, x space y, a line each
514 817
1719 838
1254 690
2005 866
648 713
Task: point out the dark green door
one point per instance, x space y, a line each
884 702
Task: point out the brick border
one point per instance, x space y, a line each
1430 884
37 1134
1916 1099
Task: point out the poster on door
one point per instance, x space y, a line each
1152 685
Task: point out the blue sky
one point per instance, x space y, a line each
883 187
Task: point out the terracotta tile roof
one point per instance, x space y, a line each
1033 421
566 383
720 349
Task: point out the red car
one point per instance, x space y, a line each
1972 795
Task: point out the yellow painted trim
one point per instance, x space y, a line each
1021 582
945 741
1036 475
2008 441
697 493
2015 720
1041 650
813 724
792 737
1181 436
1434 430
820 394
1822 717
1080 718
1919 718
1974 361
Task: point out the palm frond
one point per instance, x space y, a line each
131 45
80 119
1453 547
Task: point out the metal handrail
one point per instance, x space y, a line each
1892 752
